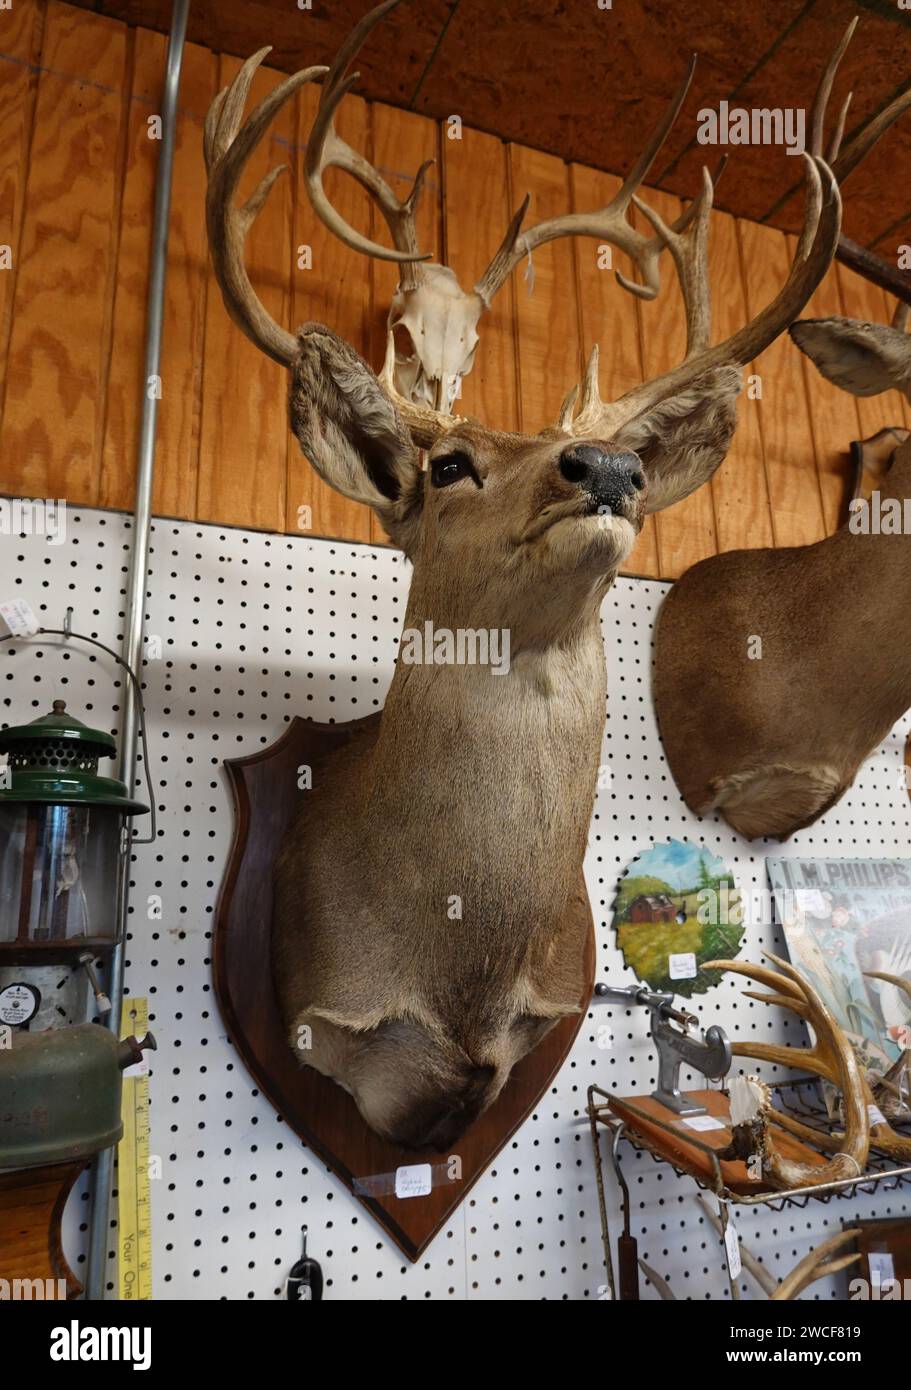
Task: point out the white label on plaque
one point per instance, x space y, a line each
682 966
882 1267
413 1181
19 619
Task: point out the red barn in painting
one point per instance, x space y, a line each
652 907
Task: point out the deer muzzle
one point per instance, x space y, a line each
614 482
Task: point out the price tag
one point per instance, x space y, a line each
18 618
732 1250
413 1181
704 1122
682 966
876 1115
140 1068
812 901
882 1266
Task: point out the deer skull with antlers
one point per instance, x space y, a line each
433 322
469 786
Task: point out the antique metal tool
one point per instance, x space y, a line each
708 1052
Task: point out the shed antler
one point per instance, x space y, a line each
819 1264
831 1056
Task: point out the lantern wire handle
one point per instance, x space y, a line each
140 704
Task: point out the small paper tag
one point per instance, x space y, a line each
876 1115
682 966
882 1266
415 1180
703 1122
18 618
140 1068
812 901
732 1250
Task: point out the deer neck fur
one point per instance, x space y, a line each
874 588
481 792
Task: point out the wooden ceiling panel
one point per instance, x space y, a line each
587 84
590 83
877 62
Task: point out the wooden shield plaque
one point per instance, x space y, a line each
320 1112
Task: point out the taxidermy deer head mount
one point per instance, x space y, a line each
468 789
778 672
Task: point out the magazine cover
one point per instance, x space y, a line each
842 919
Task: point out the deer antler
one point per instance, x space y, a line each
816 1265
898 981
831 1056
818 242
822 221
609 223
227 147
843 161
326 149
820 1059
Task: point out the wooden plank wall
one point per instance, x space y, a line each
77 169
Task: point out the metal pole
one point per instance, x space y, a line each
131 648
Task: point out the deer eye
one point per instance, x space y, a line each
449 468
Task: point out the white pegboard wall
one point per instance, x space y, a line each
245 630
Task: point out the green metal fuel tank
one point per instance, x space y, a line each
60 1093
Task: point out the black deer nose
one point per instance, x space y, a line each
608 478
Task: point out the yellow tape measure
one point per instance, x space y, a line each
134 1206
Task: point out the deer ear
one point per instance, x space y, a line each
683 440
863 358
349 429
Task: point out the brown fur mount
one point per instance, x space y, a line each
266 799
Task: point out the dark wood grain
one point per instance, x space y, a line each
318 1110
31 1210
686 1148
889 1236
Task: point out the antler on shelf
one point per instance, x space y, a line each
831 1057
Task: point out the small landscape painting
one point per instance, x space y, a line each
676 906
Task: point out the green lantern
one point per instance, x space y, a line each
62 835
